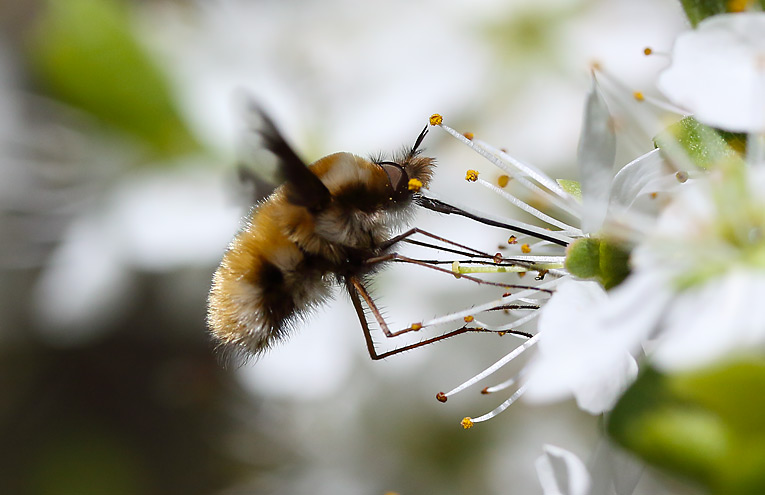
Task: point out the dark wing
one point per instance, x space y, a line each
304 187
257 187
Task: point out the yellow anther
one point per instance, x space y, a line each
466 423
503 180
415 184
468 319
415 326
436 119
471 175
512 240
468 135
647 50
525 249
638 96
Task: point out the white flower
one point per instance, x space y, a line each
707 258
718 72
577 354
562 472
694 298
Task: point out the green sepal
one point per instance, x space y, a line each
572 187
705 146
602 260
707 426
86 54
583 258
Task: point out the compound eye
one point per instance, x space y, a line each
397 176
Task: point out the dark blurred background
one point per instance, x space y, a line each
120 134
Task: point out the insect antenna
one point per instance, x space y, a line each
415 149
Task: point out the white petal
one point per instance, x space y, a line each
613 471
636 306
640 178
597 149
717 72
578 356
561 472
709 323
599 390
573 301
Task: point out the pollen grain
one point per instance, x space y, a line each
415 185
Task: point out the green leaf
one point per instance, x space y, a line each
723 389
707 426
86 54
698 10
572 187
706 147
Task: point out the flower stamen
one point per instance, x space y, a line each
494 367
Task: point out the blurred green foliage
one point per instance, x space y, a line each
143 410
708 425
698 10
86 54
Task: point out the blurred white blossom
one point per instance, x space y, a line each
562 472
706 260
718 72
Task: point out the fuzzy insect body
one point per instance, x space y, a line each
322 226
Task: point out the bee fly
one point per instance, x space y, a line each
329 222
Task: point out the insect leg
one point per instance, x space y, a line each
415 230
398 257
355 288
359 289
362 318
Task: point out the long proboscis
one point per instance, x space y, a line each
441 207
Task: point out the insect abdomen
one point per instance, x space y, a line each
261 285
